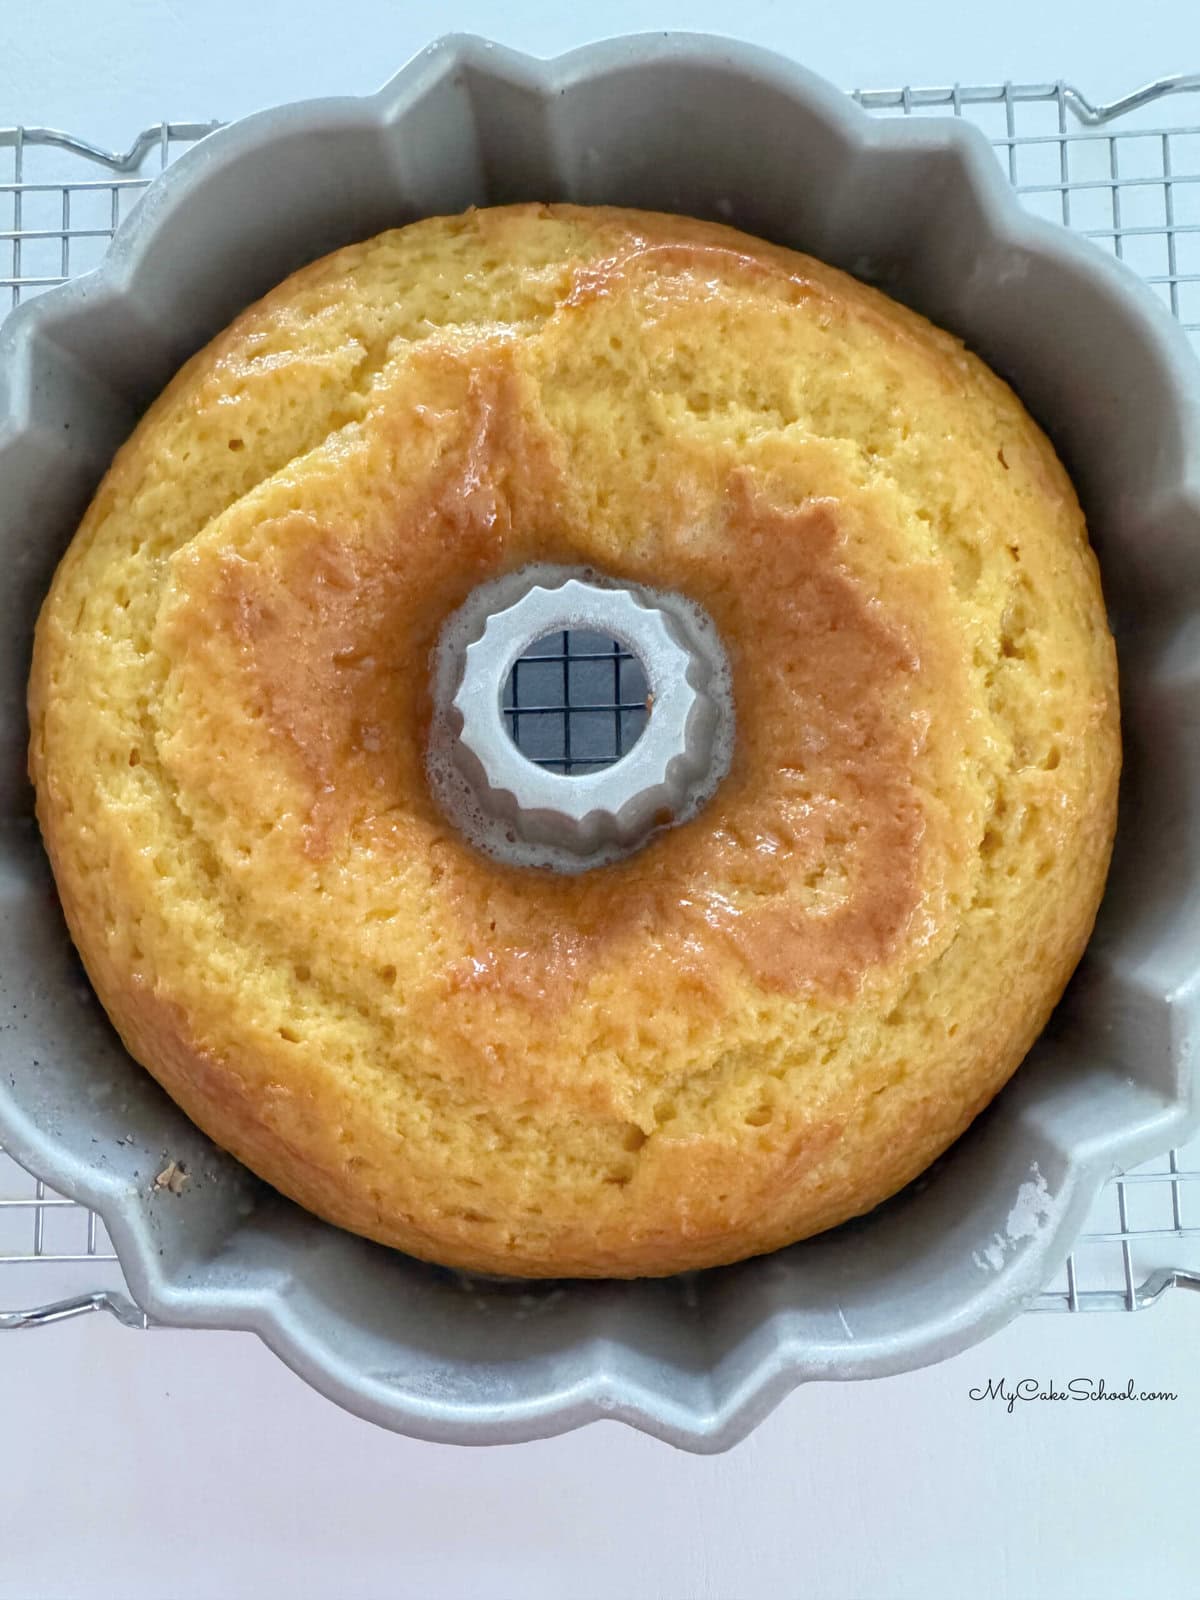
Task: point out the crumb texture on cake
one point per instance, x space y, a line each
767 1020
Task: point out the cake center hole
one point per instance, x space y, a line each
575 702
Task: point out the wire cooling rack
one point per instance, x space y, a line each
1127 175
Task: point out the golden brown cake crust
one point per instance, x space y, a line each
767 1020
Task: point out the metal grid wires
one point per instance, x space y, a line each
1126 176
576 702
37 1224
1141 1238
61 199
55 1255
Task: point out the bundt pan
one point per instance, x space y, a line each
715 129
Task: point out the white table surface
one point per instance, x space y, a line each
194 1465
